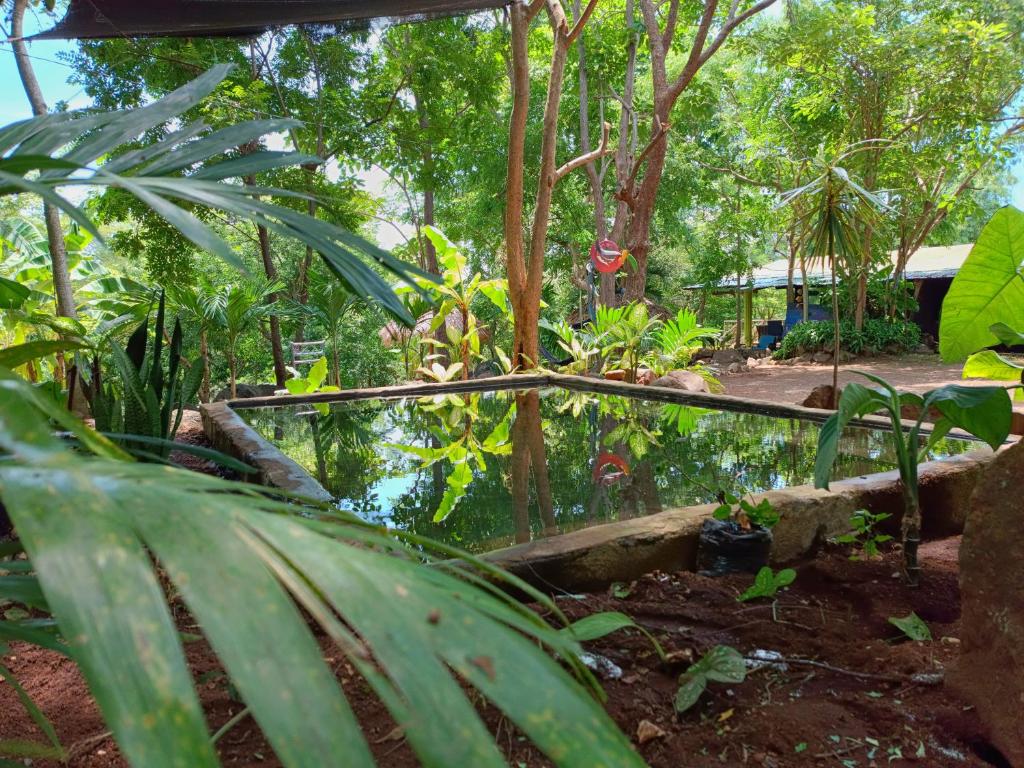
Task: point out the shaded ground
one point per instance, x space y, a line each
861 709
790 384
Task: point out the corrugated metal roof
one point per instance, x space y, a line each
235 18
931 262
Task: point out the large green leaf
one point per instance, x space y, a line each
985 412
988 289
416 626
855 401
12 294
20 354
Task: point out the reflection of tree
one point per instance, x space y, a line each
539 479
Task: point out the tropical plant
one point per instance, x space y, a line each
678 340
202 304
984 412
186 169
864 534
835 212
877 335
235 310
329 303
912 626
767 583
625 335
580 346
985 303
456 294
148 399
988 289
105 535
721 664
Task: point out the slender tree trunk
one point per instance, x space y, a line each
54 232
231 371
276 347
204 354
835 323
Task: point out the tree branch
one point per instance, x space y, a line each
578 26
587 158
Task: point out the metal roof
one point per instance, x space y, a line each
235 18
926 263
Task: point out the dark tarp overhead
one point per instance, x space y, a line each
231 18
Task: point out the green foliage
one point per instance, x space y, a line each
745 512
912 626
598 625
985 412
678 340
876 336
244 563
721 664
988 289
143 392
624 334
767 583
864 535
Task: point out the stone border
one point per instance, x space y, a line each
593 557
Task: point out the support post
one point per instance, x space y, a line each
748 317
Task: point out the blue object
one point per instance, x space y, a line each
763 342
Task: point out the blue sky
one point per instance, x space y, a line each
53 75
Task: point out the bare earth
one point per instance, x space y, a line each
790 384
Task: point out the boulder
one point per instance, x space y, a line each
727 357
821 397
736 368
822 357
990 672
645 376
753 362
688 381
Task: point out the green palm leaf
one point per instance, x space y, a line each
243 562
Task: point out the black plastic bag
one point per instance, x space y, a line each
725 547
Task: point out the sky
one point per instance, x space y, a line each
53 78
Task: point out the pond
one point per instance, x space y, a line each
483 470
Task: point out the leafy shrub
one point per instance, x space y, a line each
876 336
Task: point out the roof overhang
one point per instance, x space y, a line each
235 18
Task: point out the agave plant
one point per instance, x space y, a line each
410 619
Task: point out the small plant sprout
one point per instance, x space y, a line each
767 583
912 626
865 536
745 512
985 412
721 664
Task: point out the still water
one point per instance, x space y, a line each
488 469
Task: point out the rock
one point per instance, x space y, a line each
805 359
822 357
688 381
821 397
990 672
736 368
645 376
752 362
247 390
615 375
648 731
727 356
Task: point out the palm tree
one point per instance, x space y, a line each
235 309
202 304
835 212
329 303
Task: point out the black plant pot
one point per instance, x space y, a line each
726 547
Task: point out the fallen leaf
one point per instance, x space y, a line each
648 731
395 734
726 715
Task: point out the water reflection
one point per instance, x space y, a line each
484 470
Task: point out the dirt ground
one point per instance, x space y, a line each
790 384
843 692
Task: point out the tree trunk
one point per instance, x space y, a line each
231 371
277 350
204 354
835 322
54 232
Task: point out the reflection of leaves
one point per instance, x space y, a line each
683 418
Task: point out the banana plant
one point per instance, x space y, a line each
263 576
984 412
148 397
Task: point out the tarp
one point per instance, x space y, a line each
235 18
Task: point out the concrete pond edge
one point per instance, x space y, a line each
592 558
